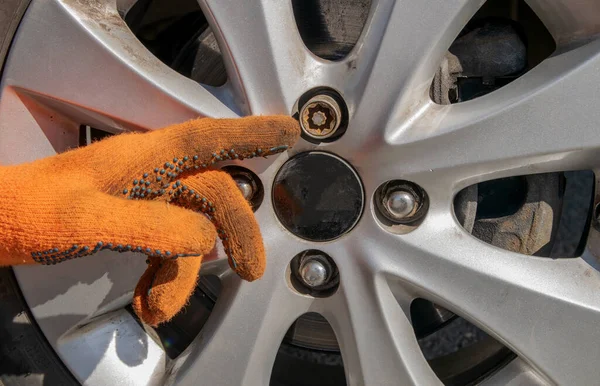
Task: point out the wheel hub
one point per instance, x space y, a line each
318 196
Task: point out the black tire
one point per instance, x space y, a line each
26 357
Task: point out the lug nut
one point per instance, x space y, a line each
313 273
400 204
245 186
248 183
320 117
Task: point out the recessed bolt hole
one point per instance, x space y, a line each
248 183
314 273
400 202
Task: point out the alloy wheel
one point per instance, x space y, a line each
76 62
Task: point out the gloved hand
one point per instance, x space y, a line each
156 193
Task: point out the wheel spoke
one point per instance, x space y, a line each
376 338
88 65
402 45
107 348
266 60
239 343
545 310
517 372
545 121
66 295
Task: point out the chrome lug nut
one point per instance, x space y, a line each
400 204
248 183
320 117
313 273
245 186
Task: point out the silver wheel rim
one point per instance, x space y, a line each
545 310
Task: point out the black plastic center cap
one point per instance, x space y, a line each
317 196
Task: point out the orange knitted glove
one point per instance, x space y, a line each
118 194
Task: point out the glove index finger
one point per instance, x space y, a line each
155 159
209 141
